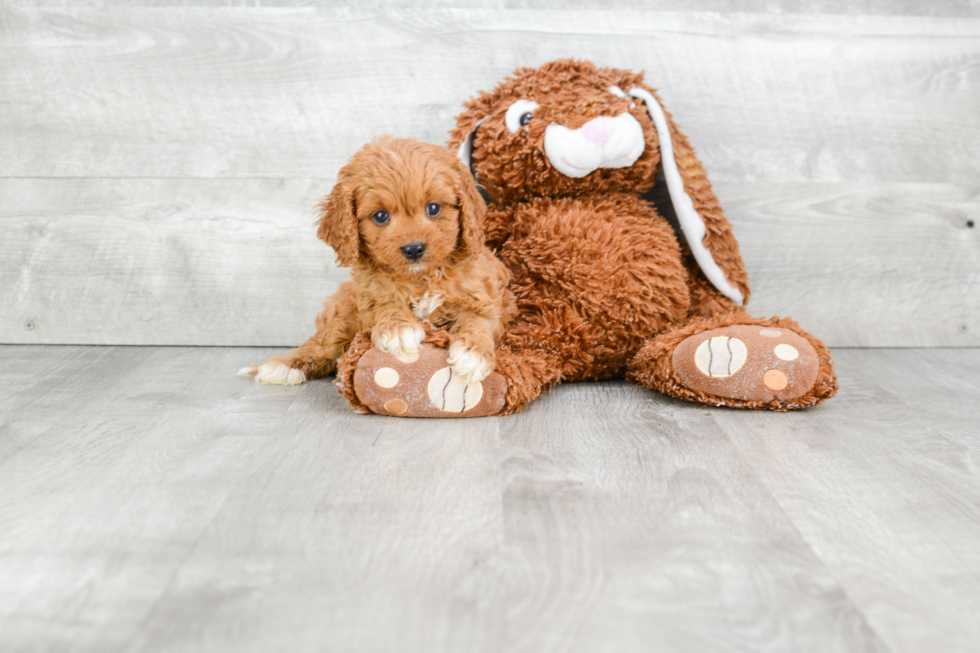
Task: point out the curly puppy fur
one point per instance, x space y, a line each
392 194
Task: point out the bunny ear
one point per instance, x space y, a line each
708 232
465 152
461 138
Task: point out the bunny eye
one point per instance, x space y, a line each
380 217
519 114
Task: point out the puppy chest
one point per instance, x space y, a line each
426 308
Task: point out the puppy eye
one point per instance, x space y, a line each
380 217
432 209
519 114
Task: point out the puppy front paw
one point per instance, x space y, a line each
401 340
274 374
472 363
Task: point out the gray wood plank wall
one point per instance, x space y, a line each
159 164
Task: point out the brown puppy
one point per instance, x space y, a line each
407 217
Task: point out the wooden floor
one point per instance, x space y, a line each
151 500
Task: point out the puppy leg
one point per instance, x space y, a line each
317 357
471 350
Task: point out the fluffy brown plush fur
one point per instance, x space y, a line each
603 286
393 194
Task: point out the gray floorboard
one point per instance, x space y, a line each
150 500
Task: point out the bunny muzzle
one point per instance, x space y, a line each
602 142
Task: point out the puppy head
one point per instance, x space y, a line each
406 206
567 128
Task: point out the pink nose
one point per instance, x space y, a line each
598 130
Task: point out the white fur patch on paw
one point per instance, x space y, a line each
452 393
468 365
279 374
404 341
720 356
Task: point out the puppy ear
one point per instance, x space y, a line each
338 221
461 137
472 210
708 232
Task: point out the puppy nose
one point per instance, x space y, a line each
413 251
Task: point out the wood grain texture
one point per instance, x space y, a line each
163 261
122 464
902 444
176 507
394 522
158 163
292 92
964 8
236 262
889 265
609 495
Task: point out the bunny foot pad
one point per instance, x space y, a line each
749 363
423 385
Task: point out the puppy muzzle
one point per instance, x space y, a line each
413 251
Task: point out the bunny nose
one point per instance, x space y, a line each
598 130
413 251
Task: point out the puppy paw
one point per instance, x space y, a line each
401 340
469 363
274 374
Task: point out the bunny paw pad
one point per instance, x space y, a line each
424 386
748 363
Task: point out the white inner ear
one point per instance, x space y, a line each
691 223
465 152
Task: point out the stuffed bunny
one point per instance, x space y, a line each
604 287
